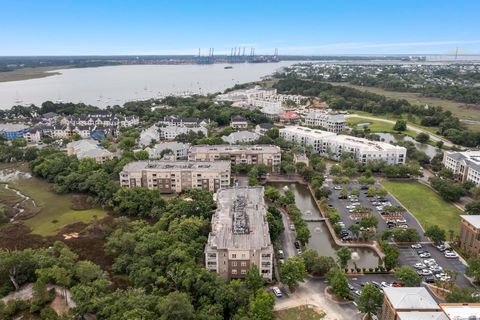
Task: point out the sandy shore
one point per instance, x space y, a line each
29 73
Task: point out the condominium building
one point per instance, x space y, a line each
330 122
240 236
409 303
333 145
241 136
256 154
179 150
89 149
470 234
176 176
464 165
171 132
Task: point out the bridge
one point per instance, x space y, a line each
316 219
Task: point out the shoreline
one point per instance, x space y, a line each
30 73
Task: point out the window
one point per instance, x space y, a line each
234 256
234 263
234 271
243 271
243 264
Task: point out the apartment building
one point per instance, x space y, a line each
256 154
171 132
470 234
332 145
241 136
89 149
330 122
240 236
409 303
238 122
179 150
176 176
464 165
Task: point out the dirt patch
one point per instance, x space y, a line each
16 236
82 202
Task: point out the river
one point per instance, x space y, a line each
321 239
112 85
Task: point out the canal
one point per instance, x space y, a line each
321 239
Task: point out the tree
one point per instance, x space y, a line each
272 193
253 279
391 255
370 300
344 255
473 207
406 235
261 305
408 276
176 306
17 266
126 143
323 265
310 257
422 137
473 269
369 221
344 193
371 192
292 272
439 144
322 192
463 295
338 282
400 125
436 234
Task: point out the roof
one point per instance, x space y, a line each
410 298
461 310
290 115
12 127
474 220
240 220
266 125
241 136
161 165
225 148
238 118
419 315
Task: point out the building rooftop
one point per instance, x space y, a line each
367 144
240 136
307 131
413 298
240 220
238 118
461 311
419 315
474 220
225 148
472 158
161 165
12 127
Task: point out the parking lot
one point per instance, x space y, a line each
408 256
341 206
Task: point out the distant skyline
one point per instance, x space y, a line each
321 27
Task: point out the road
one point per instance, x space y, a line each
433 136
287 237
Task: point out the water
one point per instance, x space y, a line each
112 85
321 239
429 150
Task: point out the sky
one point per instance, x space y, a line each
304 27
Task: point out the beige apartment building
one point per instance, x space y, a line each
176 176
240 236
470 234
257 154
409 303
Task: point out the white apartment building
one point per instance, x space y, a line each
179 150
89 149
176 176
256 154
240 235
241 137
464 165
171 132
332 145
325 119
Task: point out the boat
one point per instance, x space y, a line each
228 67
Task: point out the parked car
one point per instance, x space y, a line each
357 292
451 255
277 292
297 244
426 272
436 269
337 188
429 279
403 226
441 247
352 288
419 265
429 262
384 284
281 254
425 255
292 227
416 246
281 261
401 221
299 251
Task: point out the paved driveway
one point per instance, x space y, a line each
312 292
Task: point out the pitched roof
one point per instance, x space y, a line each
410 298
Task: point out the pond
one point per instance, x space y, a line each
429 150
321 239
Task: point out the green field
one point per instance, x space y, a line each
298 313
55 210
457 108
376 126
427 206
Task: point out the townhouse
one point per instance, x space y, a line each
464 165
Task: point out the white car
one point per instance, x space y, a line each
419 265
430 262
401 221
425 255
384 284
292 227
436 268
277 292
403 226
416 246
451 255
426 272
337 188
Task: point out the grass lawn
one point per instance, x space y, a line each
298 313
457 108
427 206
377 126
55 210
